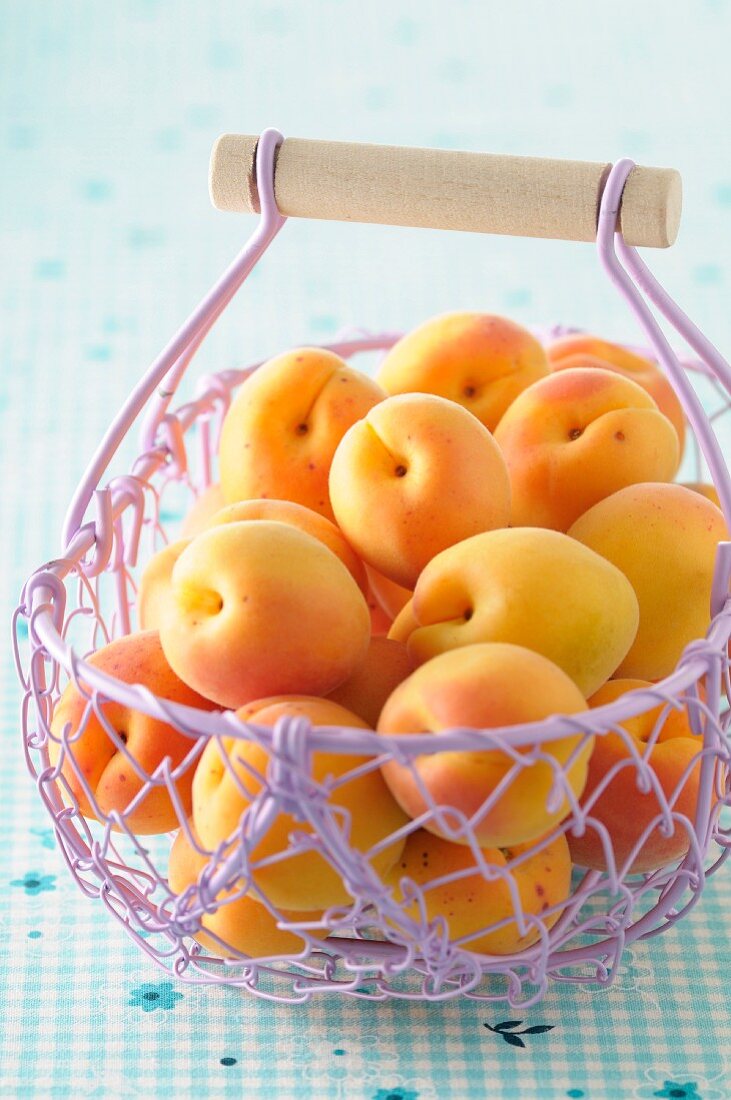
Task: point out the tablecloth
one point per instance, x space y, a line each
107 116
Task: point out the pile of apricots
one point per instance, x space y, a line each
488 533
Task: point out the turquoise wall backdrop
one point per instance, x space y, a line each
107 116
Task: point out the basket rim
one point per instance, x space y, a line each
196 722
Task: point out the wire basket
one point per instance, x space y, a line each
380 940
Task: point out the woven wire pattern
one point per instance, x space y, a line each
381 941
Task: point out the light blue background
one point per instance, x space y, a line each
107 115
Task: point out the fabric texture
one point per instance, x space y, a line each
108 115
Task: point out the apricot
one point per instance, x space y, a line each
225 785
156 577
380 621
385 665
284 424
582 350
244 924
257 608
210 501
155 581
405 623
93 755
416 475
626 812
476 359
390 596
304 519
487 687
710 492
664 539
578 436
471 905
530 587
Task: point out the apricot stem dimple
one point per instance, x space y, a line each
574 433
192 598
468 614
400 471
469 391
302 429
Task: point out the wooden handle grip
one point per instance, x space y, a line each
442 189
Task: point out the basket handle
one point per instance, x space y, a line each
444 189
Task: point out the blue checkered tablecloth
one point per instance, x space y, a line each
107 114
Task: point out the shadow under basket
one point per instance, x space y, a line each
380 940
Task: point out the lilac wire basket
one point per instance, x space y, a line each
375 946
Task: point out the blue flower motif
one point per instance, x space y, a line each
395 1094
34 883
47 837
678 1091
151 996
